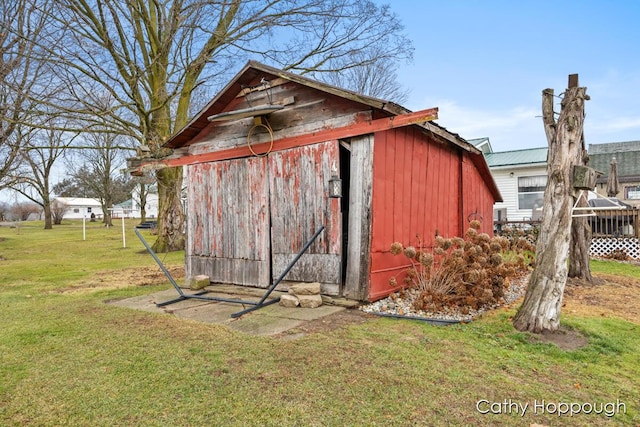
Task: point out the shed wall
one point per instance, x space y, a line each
416 195
477 200
228 221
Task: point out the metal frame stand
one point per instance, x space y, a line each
255 305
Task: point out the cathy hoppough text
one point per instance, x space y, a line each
542 407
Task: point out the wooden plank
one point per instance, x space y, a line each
287 123
323 268
228 270
405 176
356 284
356 129
420 165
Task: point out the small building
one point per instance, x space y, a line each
521 176
131 208
79 207
261 162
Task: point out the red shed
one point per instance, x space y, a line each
259 160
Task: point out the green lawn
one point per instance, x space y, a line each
68 359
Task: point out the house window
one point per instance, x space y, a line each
531 191
76 210
88 210
632 193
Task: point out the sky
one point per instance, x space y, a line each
485 63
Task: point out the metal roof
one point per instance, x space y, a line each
526 157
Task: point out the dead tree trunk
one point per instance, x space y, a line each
540 310
579 257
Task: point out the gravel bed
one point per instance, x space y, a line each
394 305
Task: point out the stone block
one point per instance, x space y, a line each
289 301
305 288
310 301
198 282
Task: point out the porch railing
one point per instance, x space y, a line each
612 230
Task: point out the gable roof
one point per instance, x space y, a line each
253 70
526 157
483 144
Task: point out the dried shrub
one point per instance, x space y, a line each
618 255
465 273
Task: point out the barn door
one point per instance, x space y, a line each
299 205
249 217
228 219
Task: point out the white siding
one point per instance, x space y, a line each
508 186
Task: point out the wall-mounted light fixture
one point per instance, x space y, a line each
511 174
335 187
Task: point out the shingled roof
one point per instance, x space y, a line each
627 156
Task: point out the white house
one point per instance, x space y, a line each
80 207
521 176
132 209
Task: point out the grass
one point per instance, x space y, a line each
68 359
615 268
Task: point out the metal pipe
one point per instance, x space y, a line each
162 267
200 296
292 263
439 322
279 279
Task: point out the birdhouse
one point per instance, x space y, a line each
584 177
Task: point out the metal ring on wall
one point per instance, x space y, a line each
253 128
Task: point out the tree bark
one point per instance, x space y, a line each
579 258
170 211
540 310
48 217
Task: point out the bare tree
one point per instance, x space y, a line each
41 149
4 210
58 209
581 235
374 76
153 57
99 173
145 184
540 310
21 66
25 210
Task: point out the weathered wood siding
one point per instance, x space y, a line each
311 110
249 217
356 284
228 221
416 195
300 204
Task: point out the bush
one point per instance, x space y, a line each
467 273
618 255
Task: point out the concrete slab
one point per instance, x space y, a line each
258 324
299 313
269 320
